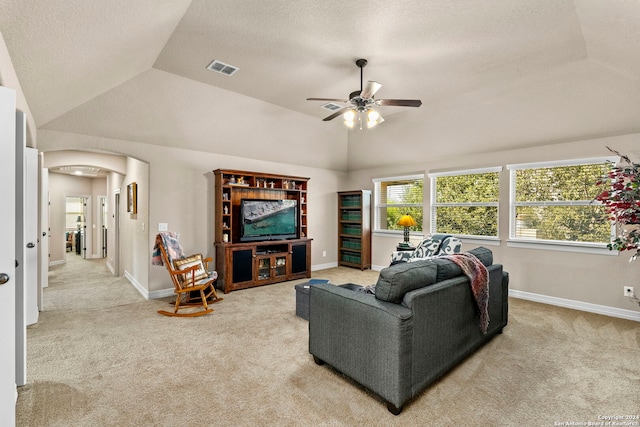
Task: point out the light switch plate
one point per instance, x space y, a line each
163 226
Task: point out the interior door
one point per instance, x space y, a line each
31 234
8 392
102 226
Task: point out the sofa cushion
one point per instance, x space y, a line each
483 254
448 269
397 280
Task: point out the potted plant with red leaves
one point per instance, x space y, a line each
621 197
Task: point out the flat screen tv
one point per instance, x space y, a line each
268 219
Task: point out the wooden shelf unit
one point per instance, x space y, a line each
354 229
245 264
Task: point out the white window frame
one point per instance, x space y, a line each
554 245
434 205
377 205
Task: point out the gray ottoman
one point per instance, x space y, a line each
302 296
302 300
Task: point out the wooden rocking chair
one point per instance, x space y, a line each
193 283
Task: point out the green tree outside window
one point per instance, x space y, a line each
556 203
398 197
466 204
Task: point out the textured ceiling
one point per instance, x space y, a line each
494 74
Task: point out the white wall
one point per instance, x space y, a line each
135 255
586 278
9 78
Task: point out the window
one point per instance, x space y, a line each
395 197
554 202
465 202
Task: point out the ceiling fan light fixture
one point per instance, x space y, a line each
349 115
361 102
373 118
349 118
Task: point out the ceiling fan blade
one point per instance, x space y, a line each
336 114
370 89
399 102
328 99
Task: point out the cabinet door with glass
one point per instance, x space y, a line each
271 267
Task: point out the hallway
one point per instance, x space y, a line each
83 332
84 283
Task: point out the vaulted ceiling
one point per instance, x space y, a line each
497 74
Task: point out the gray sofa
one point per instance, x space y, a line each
422 321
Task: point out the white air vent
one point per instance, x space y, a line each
331 106
222 68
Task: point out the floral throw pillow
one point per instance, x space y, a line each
450 245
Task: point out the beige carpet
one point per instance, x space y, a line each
101 356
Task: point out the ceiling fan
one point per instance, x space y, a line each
362 102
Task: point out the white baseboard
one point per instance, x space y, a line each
136 285
110 268
577 305
59 262
378 267
162 293
324 266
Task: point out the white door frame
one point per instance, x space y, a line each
116 235
43 232
8 390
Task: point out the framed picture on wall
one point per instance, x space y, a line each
132 198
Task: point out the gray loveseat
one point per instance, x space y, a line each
422 321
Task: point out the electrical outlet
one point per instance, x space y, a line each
628 291
324 253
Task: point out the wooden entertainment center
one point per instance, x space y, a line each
244 264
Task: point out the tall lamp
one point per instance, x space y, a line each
406 221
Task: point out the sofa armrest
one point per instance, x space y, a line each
366 339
